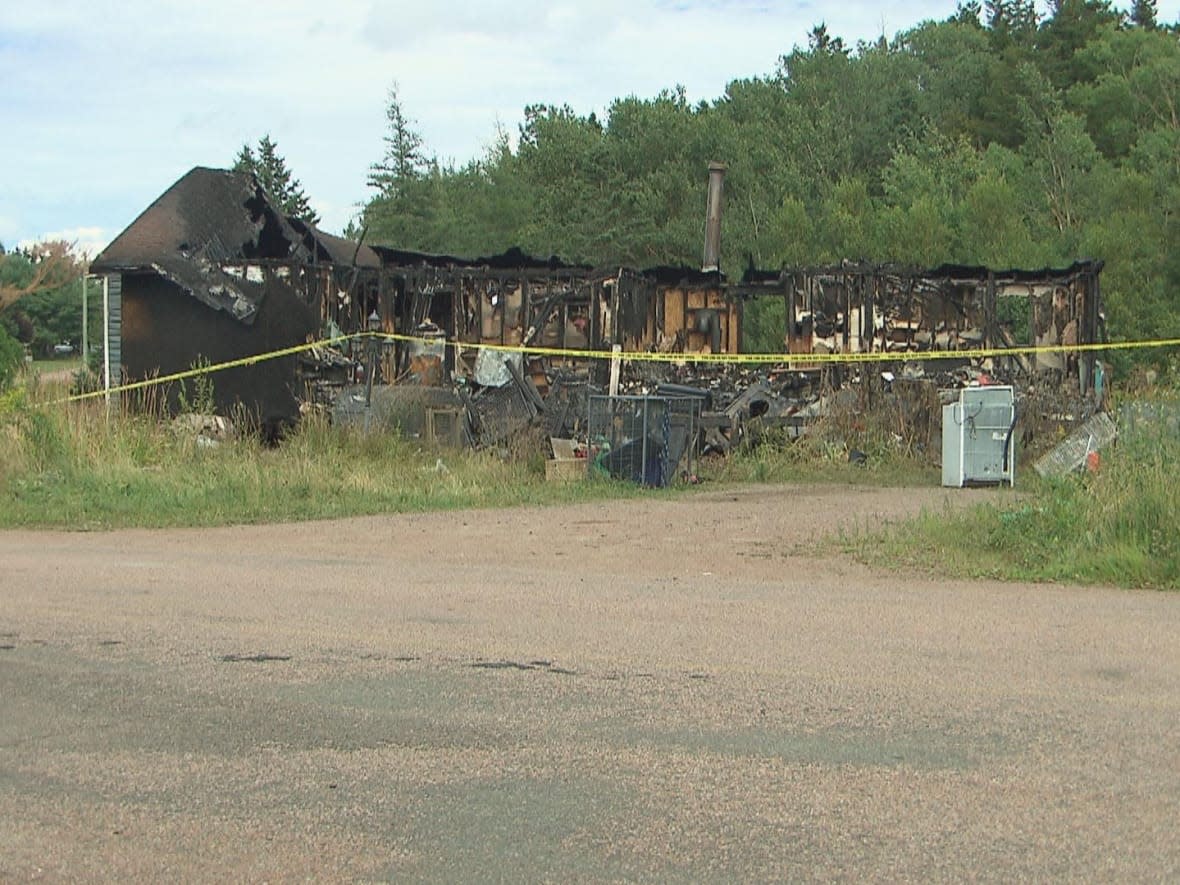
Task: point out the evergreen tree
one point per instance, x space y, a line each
820 41
968 12
1143 14
404 160
245 161
1071 25
1011 22
269 167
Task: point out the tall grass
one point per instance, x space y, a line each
776 458
79 467
1118 526
75 467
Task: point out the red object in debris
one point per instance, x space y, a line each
984 379
1093 462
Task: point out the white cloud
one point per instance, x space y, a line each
111 103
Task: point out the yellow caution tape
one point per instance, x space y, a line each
809 359
205 370
776 358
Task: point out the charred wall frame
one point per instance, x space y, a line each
548 304
862 307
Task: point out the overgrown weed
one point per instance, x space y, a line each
75 466
1118 526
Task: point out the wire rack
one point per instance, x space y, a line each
649 440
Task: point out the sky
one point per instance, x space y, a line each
105 103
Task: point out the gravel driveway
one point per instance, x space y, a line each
671 689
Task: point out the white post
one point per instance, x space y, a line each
106 337
615 351
85 323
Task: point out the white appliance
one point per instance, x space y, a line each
978 438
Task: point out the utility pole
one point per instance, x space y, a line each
85 323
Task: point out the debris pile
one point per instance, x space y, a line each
731 405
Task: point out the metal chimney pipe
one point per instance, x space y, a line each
712 259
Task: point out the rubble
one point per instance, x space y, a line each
502 395
434 415
208 431
1073 452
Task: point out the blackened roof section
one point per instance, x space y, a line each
958 272
1019 275
221 215
516 258
330 249
209 222
207 219
512 259
408 258
673 275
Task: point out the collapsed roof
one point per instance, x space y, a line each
515 259
205 231
512 259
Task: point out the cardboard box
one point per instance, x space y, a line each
565 469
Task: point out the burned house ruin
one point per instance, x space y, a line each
214 272
516 300
500 333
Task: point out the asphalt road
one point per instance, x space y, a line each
668 689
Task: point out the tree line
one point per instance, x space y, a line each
996 137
